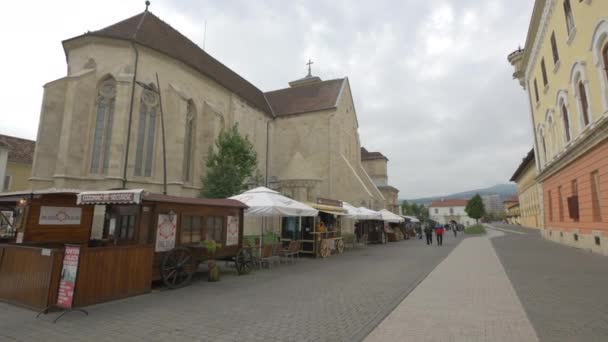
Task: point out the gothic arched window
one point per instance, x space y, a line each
582 92
144 153
566 121
102 136
189 138
605 58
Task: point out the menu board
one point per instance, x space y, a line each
165 232
67 283
232 231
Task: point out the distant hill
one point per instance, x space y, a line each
503 190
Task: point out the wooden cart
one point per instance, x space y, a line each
184 231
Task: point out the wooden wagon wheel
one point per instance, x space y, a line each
176 268
340 246
243 261
325 250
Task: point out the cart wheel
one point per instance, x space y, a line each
325 251
176 268
340 246
243 262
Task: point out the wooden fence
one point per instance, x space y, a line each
109 273
29 276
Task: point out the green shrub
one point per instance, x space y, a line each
475 229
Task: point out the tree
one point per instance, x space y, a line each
413 209
229 165
475 208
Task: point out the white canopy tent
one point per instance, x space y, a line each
412 219
360 213
263 202
388 216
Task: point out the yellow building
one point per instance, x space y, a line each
528 192
564 68
16 157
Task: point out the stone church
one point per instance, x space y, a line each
100 125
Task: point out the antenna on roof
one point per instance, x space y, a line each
204 34
147 4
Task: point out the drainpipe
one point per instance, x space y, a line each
126 162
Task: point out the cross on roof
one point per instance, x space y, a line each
310 62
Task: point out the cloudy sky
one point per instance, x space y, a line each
432 86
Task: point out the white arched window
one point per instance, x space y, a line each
564 113
542 142
146 133
548 134
599 47
580 89
189 139
102 135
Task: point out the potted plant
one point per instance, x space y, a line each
214 271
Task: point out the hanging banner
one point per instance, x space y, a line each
67 283
232 231
59 216
165 232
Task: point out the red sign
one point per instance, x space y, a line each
69 272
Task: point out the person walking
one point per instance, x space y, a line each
439 234
428 231
455 229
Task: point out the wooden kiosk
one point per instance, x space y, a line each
141 237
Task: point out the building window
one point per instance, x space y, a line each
102 136
536 90
144 153
550 206
191 227
573 205
189 141
7 183
605 58
569 16
543 70
561 204
436 211
214 227
566 121
451 211
554 49
595 196
544 148
584 103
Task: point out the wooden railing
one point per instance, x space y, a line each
29 276
109 273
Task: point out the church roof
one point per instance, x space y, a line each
305 98
366 155
150 31
20 150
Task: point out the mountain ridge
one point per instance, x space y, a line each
503 190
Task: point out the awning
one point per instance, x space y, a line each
110 197
263 202
411 218
337 213
329 209
390 217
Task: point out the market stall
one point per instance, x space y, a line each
322 235
369 228
393 224
144 237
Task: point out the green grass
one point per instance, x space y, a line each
476 229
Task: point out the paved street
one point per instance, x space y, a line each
562 289
341 298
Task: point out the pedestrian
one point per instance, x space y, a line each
428 231
455 229
439 234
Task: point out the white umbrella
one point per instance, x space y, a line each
368 214
411 218
263 202
388 216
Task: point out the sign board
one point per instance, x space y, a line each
232 231
60 216
327 201
109 197
69 272
165 232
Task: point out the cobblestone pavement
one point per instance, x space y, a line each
341 298
563 289
468 297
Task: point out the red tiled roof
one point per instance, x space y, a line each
150 31
20 150
366 155
450 203
305 98
221 202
